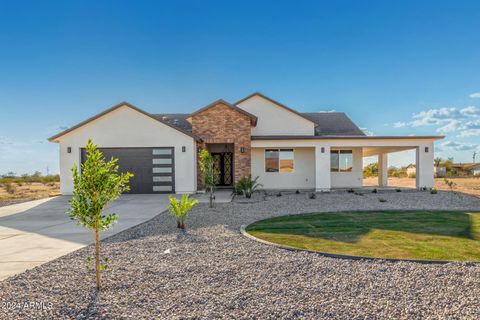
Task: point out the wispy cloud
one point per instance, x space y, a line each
475 95
459 146
367 132
464 121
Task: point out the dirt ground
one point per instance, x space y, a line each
28 191
465 185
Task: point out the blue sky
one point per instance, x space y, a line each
396 68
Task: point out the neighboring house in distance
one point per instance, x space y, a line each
255 136
438 171
412 170
465 169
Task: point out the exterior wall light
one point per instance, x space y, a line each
242 149
184 148
69 149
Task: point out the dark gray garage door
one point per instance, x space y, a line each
153 168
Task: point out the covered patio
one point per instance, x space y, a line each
338 160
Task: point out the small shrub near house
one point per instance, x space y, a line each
180 208
433 191
209 174
247 186
312 195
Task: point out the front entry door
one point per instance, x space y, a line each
222 163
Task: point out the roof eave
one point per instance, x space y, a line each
293 137
277 103
253 118
121 104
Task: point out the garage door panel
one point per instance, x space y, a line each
153 168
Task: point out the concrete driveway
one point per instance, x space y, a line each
36 232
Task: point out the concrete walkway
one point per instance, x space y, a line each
35 232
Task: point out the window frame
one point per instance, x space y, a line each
338 169
279 150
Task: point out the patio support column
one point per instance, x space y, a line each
383 169
424 165
322 168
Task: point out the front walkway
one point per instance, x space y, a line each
211 271
32 233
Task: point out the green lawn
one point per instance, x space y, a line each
385 234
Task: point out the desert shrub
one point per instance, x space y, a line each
351 190
371 170
297 191
398 190
10 187
374 190
279 194
382 200
247 186
312 195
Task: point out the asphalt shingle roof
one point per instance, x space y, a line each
329 123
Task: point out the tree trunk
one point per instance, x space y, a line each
97 256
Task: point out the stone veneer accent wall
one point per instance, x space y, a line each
222 124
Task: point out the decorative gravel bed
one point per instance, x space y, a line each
212 271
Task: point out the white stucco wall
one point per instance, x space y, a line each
125 127
352 179
322 162
275 120
303 176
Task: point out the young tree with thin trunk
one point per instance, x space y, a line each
97 185
209 174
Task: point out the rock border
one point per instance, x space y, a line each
343 256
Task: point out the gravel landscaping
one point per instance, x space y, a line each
212 271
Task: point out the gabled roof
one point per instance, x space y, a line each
253 119
329 123
115 107
277 103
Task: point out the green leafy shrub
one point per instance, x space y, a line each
398 190
247 186
312 195
351 190
94 189
180 209
433 191
209 174
374 190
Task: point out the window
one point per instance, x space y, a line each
279 160
341 160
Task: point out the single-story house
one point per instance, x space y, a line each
256 135
465 169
